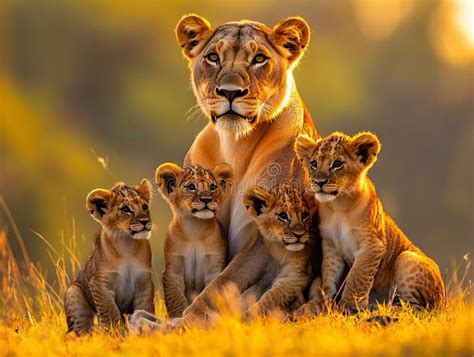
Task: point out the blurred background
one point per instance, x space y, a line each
94 92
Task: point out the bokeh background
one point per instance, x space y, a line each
94 92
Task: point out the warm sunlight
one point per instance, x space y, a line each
452 31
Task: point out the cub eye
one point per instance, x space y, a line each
304 216
212 57
283 216
145 207
314 164
259 58
191 187
212 187
126 209
337 164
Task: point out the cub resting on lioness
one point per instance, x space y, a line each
283 216
195 245
117 278
356 230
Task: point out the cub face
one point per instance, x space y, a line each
337 163
194 189
282 215
123 211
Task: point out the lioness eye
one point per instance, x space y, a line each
126 209
283 216
213 57
337 164
304 216
145 207
259 58
212 187
191 187
314 164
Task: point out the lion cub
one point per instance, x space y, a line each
117 277
284 216
357 231
195 246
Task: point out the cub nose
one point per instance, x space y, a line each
205 200
298 234
144 221
321 183
231 94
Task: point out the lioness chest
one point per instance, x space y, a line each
341 231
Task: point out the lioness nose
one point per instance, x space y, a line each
205 200
231 94
321 183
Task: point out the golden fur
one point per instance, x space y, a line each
195 245
117 277
283 216
242 78
357 231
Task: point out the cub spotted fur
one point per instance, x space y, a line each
283 216
195 246
117 277
357 231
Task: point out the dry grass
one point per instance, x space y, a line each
32 322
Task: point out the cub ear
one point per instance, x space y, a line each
192 33
98 202
144 190
366 147
304 147
292 36
257 200
167 178
223 173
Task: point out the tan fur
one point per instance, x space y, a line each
357 231
283 216
257 137
117 277
195 245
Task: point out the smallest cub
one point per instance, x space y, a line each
195 246
117 277
284 216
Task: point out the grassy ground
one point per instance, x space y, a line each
32 323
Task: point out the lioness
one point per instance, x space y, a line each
357 231
242 76
117 277
195 245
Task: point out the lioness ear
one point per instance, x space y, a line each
292 36
98 202
304 147
192 33
223 174
144 190
257 200
167 177
366 147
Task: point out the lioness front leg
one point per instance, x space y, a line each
284 291
243 271
360 278
108 313
174 289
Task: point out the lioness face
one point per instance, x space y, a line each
122 211
242 71
194 190
282 215
337 163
